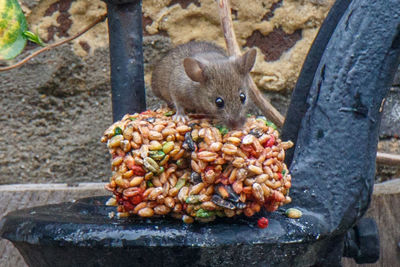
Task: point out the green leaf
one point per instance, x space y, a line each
12 26
222 129
33 37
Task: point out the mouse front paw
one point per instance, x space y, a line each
180 115
180 118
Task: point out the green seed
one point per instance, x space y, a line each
167 147
169 113
180 183
156 155
283 172
118 131
271 124
222 129
150 184
161 170
151 165
293 213
204 213
268 123
133 119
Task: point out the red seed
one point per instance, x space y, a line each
130 162
280 176
247 148
270 142
133 191
262 222
136 199
128 206
137 170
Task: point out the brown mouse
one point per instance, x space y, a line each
199 77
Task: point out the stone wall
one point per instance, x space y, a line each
281 30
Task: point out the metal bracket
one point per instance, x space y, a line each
362 242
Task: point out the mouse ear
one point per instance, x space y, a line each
194 69
246 61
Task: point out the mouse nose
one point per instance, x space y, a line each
236 123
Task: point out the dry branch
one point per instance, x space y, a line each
233 49
388 159
51 46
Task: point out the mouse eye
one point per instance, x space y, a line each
219 102
242 97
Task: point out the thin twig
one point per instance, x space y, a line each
233 49
388 159
51 46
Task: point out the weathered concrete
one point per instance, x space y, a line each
53 112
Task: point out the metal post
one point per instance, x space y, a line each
126 57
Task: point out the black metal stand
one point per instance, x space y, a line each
126 56
298 102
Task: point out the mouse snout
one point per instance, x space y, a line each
235 123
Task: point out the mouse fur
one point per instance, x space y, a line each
196 76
